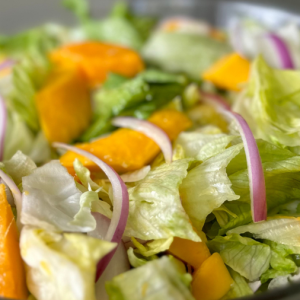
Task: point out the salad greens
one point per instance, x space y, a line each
147 227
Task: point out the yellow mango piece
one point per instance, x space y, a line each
128 150
230 72
64 106
12 273
212 280
193 253
96 60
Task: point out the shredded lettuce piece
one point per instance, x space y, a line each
207 186
155 210
271 104
51 200
137 260
158 279
61 266
244 255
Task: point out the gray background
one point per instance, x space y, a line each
16 15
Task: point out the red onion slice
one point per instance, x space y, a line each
255 170
120 201
16 194
150 130
281 49
8 63
215 100
3 121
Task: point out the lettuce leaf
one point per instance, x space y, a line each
137 260
240 287
202 146
207 186
158 279
244 255
271 104
51 200
155 210
61 266
284 281
167 50
279 229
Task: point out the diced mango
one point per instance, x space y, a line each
97 59
12 273
230 72
64 106
128 150
212 280
193 253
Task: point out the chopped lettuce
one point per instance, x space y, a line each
239 288
168 50
119 28
151 248
279 229
51 200
207 186
244 255
281 261
18 166
61 266
271 104
155 210
158 279
202 146
137 260
285 280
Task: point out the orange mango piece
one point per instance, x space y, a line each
128 150
64 106
193 253
12 273
212 280
97 59
230 72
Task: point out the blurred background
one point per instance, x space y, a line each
16 15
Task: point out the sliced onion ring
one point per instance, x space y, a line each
3 124
150 130
255 170
16 194
282 50
120 200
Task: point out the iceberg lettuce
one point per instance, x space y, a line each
51 200
271 104
155 210
158 279
61 266
244 255
207 186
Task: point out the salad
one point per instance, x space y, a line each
149 159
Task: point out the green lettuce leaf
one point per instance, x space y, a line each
61 266
158 279
271 104
168 51
285 280
281 261
202 146
137 260
207 186
18 166
279 229
151 248
240 287
244 255
155 210
51 200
